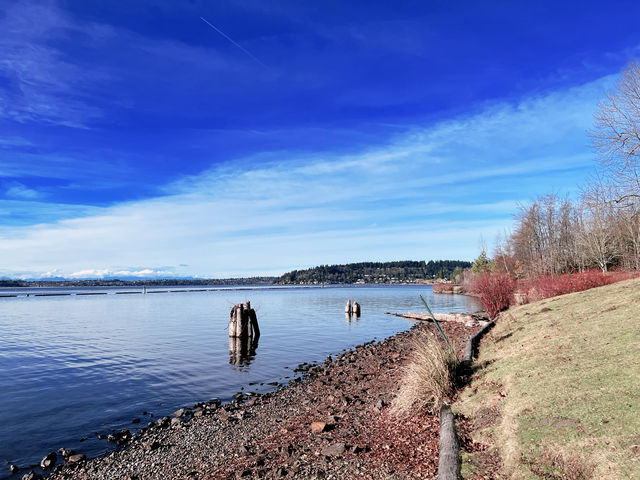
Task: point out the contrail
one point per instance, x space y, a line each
232 41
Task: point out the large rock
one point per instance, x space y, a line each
178 413
49 461
318 427
334 450
75 459
163 422
120 437
151 445
66 453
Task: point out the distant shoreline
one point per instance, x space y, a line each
9 284
377 273
160 282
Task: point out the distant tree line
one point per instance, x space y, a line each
162 282
405 271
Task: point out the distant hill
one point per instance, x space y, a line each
404 271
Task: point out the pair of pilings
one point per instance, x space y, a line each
352 308
243 322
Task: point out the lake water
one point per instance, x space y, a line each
75 366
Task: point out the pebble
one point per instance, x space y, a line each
178 413
31 476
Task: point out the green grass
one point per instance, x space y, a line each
564 376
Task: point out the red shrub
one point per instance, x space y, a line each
547 286
495 291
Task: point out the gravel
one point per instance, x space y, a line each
333 423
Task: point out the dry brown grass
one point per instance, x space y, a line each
556 464
428 378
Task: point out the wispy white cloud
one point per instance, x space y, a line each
46 85
30 212
19 191
11 142
432 192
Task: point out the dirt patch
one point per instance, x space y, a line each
482 459
487 417
558 465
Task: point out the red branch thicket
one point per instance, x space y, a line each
496 290
546 286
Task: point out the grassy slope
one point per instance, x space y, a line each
558 394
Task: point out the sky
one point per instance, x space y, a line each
241 138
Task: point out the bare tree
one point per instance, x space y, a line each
598 232
544 238
627 224
616 135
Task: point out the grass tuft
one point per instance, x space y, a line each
428 380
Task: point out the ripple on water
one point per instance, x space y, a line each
73 366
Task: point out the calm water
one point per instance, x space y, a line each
75 366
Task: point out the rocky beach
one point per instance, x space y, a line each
333 421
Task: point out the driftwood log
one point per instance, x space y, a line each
449 459
472 343
469 319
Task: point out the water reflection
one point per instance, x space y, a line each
351 317
242 351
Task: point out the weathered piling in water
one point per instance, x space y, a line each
243 322
347 308
253 319
355 308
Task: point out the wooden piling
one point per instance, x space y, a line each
355 308
243 322
254 322
232 322
239 312
347 308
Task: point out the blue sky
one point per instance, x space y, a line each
138 140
